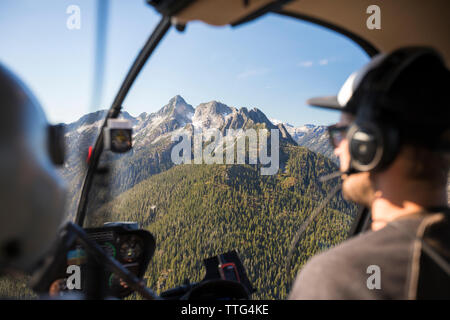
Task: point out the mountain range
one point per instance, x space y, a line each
150 128
152 143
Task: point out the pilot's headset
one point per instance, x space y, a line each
375 137
31 193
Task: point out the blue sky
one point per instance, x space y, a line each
274 63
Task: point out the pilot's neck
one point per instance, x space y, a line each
397 197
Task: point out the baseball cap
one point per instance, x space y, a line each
350 86
416 100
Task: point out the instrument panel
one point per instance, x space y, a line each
132 247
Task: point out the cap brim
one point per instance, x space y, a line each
330 102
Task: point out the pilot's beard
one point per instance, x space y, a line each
358 188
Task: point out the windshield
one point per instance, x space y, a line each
218 78
219 86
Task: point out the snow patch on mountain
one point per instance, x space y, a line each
177 115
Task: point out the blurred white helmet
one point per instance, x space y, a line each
31 193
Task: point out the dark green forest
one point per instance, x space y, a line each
204 210
198 211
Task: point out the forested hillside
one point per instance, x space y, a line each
204 210
198 211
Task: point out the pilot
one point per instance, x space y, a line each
392 141
32 195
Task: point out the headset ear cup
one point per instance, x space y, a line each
391 138
366 146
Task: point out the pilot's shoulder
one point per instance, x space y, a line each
343 268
